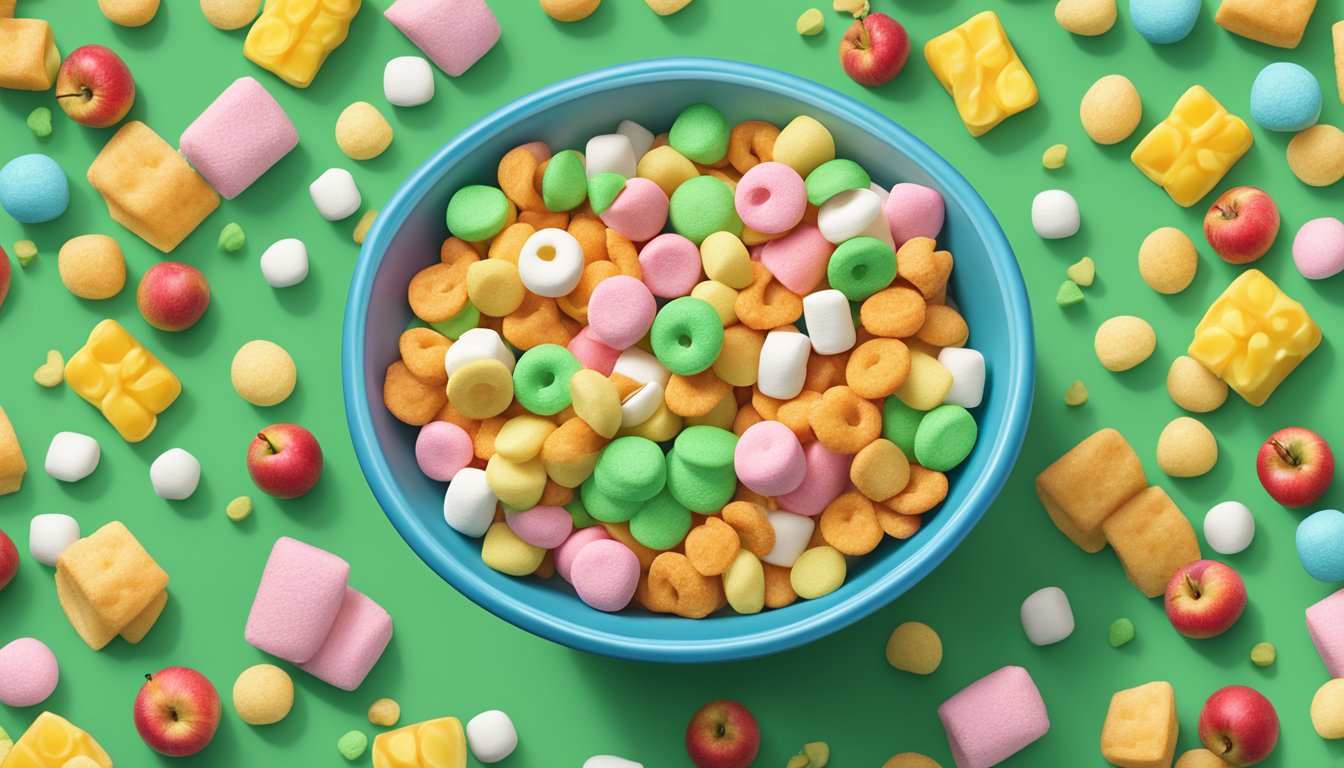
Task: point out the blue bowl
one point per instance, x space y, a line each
406 237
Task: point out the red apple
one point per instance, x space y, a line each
177 712
9 560
1295 466
1242 224
1239 725
722 734
1205 598
285 460
95 87
5 275
874 49
172 296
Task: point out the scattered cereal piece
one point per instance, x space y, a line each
150 188
50 535
818 753
1318 248
384 712
1152 538
1086 17
51 373
33 188
1055 156
1076 394
1120 633
666 7
1123 342
108 585
1141 726
364 225
334 194
32 60
1046 616
1083 272
239 509
1229 527
1186 448
1190 151
1168 261
39 122
1264 655
569 10
914 647
1010 699
811 22
230 14
408 81
231 238
1273 22
798 761
352 745
976 53
1164 21
285 263
1077 500
1285 97
92 267
25 251
129 13
1327 710
263 694
71 457
29 673
175 474
362 132
1111 109
911 760
491 736
263 373
1069 294
454 34
856 8
1054 214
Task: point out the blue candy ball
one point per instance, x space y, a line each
1285 97
1320 545
33 189
1164 21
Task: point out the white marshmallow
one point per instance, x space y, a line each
830 326
610 761
640 406
1054 214
847 214
783 366
469 504
285 263
175 474
71 457
968 375
1046 616
610 153
641 138
408 81
642 367
49 535
792 533
477 344
551 263
335 194
491 736
1229 527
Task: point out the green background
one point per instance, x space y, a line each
451 658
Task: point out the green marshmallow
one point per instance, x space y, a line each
702 206
860 267
630 468
541 378
352 745
900 422
1069 294
700 133
1120 633
579 514
945 437
603 189
687 335
39 122
25 251
698 489
662 523
458 324
477 212
833 177
706 447
564 185
604 508
231 238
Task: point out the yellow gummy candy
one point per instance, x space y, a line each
976 63
51 742
437 743
1189 153
292 38
122 379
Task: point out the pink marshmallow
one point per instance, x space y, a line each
994 718
639 212
566 552
771 198
238 137
28 673
825 478
593 353
798 260
621 310
546 526
605 573
360 634
914 211
441 449
1325 624
670 265
769 459
301 591
1318 249
454 34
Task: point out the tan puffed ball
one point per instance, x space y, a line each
1327 710
1168 260
1194 387
1123 342
92 266
129 13
1086 17
1186 448
263 373
230 14
1200 758
384 712
362 132
911 760
1111 109
263 694
1316 155
915 647
569 10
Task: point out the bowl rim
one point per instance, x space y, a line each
1000 462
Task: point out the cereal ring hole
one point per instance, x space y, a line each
546 253
758 196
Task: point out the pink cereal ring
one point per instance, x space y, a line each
593 353
769 459
639 212
771 198
441 449
566 552
605 573
914 211
621 310
670 265
798 260
825 478
545 527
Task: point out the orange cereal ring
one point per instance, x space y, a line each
739 360
659 140
536 321
518 175
796 414
410 399
925 268
623 254
481 389
453 416
765 405
752 525
778 586
711 547
744 493
766 304
509 242
747 416
494 287
927 489
751 142
621 533
455 249
570 452
742 395
943 327
825 371
673 581
896 525
544 219
880 470
726 175
895 312
877 368
845 422
695 395
555 494
422 350
721 415
483 442
575 303
592 236
438 291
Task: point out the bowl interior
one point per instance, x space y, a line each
407 236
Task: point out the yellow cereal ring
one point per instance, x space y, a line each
570 452
943 327
725 259
818 572
751 142
928 383
739 362
409 399
596 401
662 426
623 254
518 484
674 583
666 167
926 269
746 418
796 414
719 296
845 422
712 546
927 489
803 145
897 525
877 368
423 349
897 312
518 175
494 287
506 553
744 583
721 415
439 291
521 437
766 304
880 470
481 389
592 236
575 303
537 321
544 219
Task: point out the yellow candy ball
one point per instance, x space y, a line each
263 373
362 132
263 694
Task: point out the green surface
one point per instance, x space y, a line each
449 657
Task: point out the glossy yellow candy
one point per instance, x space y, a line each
1253 336
292 38
437 743
976 63
122 379
51 742
1189 153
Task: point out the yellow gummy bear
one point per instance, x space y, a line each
1189 153
51 742
432 744
976 63
292 38
122 379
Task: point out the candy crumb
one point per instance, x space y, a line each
239 509
1076 394
1055 157
1264 654
1121 632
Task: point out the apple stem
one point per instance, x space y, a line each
865 42
1192 586
149 677
1284 453
84 93
1226 214
262 437
1227 746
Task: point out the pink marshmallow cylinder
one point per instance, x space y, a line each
771 198
592 353
442 449
620 311
566 552
798 260
543 526
605 574
824 479
670 265
914 210
769 459
639 212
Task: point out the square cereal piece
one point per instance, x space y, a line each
1325 624
1337 33
82 616
113 574
1141 727
52 740
12 464
358 637
1189 152
1273 22
977 65
1153 538
994 718
293 38
30 61
238 137
1088 483
1253 336
149 188
134 632
454 34
301 592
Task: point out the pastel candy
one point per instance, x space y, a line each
641 138
1046 616
792 533
1325 624
642 367
798 259
551 263
593 353
1320 545
1318 249
701 206
670 265
334 194
491 736
33 189
610 153
302 590
469 504
830 326
847 214
967 367
605 574
769 459
783 366
541 526
51 534
71 457
442 450
238 137
1054 214
639 212
994 718
914 210
1286 97
771 198
621 308
454 34
28 673
175 474
285 263
570 548
824 479
408 81
358 637
477 344
1164 21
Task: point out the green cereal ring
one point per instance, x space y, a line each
706 447
469 317
700 133
564 186
698 489
477 212
1120 633
603 189
702 206
687 335
39 122
860 267
630 468
579 514
900 423
833 177
541 378
945 437
352 745
602 507
662 523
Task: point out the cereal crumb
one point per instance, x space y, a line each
811 22
52 372
799 761
1264 654
818 753
239 509
1123 342
1084 272
362 228
1055 157
1069 294
915 647
232 239
384 712
1120 633
39 122
352 745
1076 394
1186 448
25 251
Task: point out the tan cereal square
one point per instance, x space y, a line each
1273 22
113 574
1153 538
1088 483
1141 727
